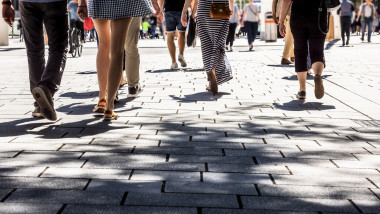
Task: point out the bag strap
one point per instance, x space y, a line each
220 56
252 10
319 19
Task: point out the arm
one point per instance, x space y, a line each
237 16
156 7
160 16
195 8
284 10
184 12
8 12
359 14
232 6
82 9
274 11
258 17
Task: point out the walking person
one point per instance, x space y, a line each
251 22
367 13
289 46
345 12
44 77
307 28
173 24
117 15
232 28
75 22
213 34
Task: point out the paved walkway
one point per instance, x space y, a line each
253 148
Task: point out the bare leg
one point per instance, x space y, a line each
171 46
181 42
302 80
118 35
103 56
318 68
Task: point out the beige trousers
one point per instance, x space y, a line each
289 42
132 56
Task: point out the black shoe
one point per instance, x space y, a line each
343 44
369 41
348 42
134 91
45 101
301 95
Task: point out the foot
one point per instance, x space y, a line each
110 115
285 62
362 39
123 82
343 44
250 48
181 59
134 91
319 89
348 42
174 65
293 59
100 107
43 97
226 47
213 82
308 72
116 97
231 49
37 112
301 95
369 41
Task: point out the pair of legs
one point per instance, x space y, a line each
172 47
367 22
345 22
231 34
109 60
173 24
252 29
289 44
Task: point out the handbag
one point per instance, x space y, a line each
320 14
220 10
191 32
332 5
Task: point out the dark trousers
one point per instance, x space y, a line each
78 25
345 23
307 38
252 28
54 16
231 34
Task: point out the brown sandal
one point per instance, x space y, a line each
213 82
99 108
110 115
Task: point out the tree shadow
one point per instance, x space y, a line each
301 105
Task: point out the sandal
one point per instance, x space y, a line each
100 108
213 82
110 115
301 95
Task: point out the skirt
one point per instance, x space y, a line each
118 9
213 34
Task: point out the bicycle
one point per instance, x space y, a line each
76 42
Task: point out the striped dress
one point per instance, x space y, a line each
118 9
213 34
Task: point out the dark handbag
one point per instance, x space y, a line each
220 10
191 32
330 4
321 19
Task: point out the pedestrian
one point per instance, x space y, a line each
114 14
75 22
44 78
308 23
289 46
153 25
251 22
232 28
345 12
213 34
367 12
145 28
173 24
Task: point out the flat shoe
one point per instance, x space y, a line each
319 89
110 115
99 108
213 82
301 95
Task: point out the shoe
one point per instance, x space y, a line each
319 89
250 48
37 112
343 44
231 49
362 39
348 42
43 97
213 82
174 66
226 47
369 41
181 59
292 59
99 108
110 115
134 91
285 62
301 95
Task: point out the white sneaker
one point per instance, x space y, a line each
174 66
181 59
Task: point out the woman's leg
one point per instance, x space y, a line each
118 36
249 29
103 55
255 30
234 25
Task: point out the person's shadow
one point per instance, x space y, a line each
302 105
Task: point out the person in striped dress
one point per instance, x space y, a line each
213 34
115 15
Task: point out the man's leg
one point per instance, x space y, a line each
32 20
369 29
132 61
363 29
342 30
55 19
171 46
181 42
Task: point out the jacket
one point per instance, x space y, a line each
276 9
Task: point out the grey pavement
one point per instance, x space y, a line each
252 148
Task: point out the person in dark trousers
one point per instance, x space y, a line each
367 14
233 24
345 11
45 77
307 28
251 22
75 21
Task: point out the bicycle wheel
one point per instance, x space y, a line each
74 42
79 44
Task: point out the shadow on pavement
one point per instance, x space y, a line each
200 96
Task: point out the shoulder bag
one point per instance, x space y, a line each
220 10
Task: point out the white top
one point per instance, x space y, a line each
251 13
367 11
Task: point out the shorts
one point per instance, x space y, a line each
173 22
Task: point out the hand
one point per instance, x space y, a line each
160 17
282 29
184 19
8 14
156 8
276 21
259 22
82 12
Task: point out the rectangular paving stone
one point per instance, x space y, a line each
296 204
104 209
320 192
191 144
182 200
4 192
97 148
165 176
125 186
332 172
236 178
243 168
362 164
86 173
295 162
210 159
209 188
368 206
252 153
42 183
248 211
65 197
21 171
29 208
320 155
177 151
18 162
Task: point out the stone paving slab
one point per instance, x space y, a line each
98 209
29 208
